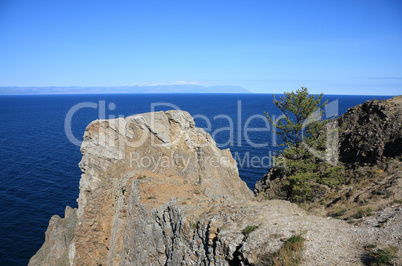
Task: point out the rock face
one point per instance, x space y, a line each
155 190
59 235
270 185
133 172
371 132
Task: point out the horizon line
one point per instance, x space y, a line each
110 93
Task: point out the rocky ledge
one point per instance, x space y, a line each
155 190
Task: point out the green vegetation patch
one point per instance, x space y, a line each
381 256
386 255
195 225
339 212
362 212
249 229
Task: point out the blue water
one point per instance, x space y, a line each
39 165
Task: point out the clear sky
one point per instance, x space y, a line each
335 47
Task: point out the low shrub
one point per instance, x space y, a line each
386 255
362 212
249 229
339 212
381 256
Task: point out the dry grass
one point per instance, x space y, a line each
290 253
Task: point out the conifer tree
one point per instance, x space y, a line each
297 108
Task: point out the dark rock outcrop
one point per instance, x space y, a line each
270 185
371 132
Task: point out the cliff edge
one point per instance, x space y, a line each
155 190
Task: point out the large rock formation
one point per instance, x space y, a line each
155 190
147 160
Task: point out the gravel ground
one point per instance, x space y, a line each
336 242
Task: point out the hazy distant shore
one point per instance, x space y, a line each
10 90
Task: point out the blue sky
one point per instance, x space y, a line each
335 47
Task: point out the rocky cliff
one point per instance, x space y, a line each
371 132
155 190
370 150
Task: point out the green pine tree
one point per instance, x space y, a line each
297 108
301 123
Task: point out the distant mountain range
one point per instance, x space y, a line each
121 89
